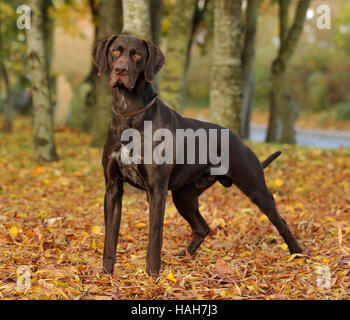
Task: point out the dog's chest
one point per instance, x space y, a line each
128 171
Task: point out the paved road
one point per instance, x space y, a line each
305 137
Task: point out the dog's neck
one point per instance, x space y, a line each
127 101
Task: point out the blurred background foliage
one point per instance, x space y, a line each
319 73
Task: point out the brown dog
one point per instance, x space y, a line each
133 64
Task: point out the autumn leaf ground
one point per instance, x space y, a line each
51 220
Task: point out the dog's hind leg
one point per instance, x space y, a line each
186 202
249 178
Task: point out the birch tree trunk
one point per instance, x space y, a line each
248 58
109 17
136 18
172 77
45 149
282 108
226 70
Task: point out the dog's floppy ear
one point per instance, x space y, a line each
155 61
100 54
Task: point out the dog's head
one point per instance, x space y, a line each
127 58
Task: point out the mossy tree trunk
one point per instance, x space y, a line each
172 77
109 23
282 107
7 125
226 70
197 18
136 18
248 58
45 149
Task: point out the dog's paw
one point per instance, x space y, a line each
182 253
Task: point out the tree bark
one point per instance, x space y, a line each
197 18
156 29
248 58
8 113
226 70
282 108
45 149
172 77
109 23
156 20
7 125
136 18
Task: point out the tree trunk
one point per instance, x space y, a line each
45 149
172 77
226 70
136 18
282 108
197 18
109 23
156 20
248 58
156 29
8 112
7 125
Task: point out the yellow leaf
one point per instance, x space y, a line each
244 254
284 246
171 277
278 183
263 218
13 231
140 225
129 237
340 161
340 236
227 294
299 205
96 230
93 245
84 237
60 259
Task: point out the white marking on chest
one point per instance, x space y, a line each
124 152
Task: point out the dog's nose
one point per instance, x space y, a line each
121 68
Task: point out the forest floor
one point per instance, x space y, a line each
51 221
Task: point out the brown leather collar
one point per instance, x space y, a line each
134 113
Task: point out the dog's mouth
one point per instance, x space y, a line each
121 80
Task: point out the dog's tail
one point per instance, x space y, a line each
267 162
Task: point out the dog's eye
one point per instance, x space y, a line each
116 52
136 55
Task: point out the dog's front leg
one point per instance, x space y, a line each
156 198
112 213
